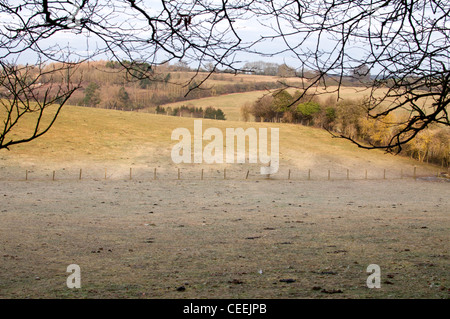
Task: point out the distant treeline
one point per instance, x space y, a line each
349 117
185 111
129 97
128 85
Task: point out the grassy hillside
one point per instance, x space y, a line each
231 103
89 137
165 84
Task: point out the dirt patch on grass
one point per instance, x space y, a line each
224 239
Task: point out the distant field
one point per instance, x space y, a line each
218 78
232 103
84 137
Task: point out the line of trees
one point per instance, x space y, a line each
108 84
192 111
349 117
281 106
117 98
269 68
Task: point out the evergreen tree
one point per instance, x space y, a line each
92 95
282 100
123 98
220 115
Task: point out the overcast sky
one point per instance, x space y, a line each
85 44
249 30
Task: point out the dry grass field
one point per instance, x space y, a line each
224 239
232 103
234 238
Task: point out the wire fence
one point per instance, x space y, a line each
177 173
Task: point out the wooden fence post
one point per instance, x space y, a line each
246 176
154 174
309 174
79 177
289 174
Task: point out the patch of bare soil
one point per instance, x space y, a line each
224 238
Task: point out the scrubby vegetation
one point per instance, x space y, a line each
191 111
131 86
349 117
128 86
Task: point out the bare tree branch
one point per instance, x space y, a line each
399 48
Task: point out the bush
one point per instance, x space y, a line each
263 109
330 113
307 111
160 110
246 111
123 99
212 113
92 95
282 100
348 115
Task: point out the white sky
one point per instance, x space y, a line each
248 30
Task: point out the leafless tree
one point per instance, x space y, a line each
24 98
137 34
403 44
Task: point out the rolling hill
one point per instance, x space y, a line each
94 139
